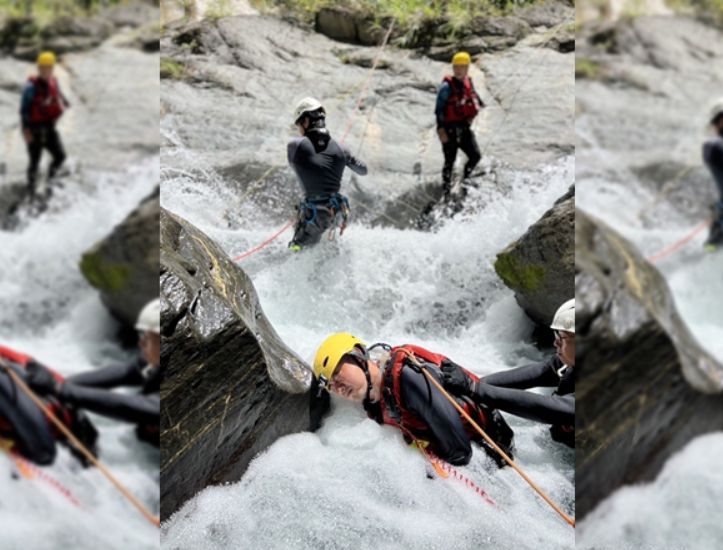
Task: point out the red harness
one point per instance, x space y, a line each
393 411
461 107
47 105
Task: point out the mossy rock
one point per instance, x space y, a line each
519 276
105 276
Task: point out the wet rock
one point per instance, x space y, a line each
124 265
540 266
511 27
68 34
247 387
337 24
132 15
644 383
11 195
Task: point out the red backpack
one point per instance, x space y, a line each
47 105
464 106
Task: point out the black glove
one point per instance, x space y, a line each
40 379
456 379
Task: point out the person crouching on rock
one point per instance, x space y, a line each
394 390
506 390
457 106
318 161
42 105
92 390
713 157
24 427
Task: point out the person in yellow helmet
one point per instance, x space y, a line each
41 106
393 389
457 105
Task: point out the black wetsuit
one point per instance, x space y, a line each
319 162
459 134
89 390
506 391
24 423
713 158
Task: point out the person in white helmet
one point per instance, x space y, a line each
506 390
713 158
318 161
93 390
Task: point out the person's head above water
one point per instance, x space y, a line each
460 64
563 323
342 366
46 64
148 326
309 113
716 116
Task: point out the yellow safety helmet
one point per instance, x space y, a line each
330 353
46 59
461 58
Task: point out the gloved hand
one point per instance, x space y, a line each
40 379
455 378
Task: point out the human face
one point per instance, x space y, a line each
349 381
460 71
150 345
565 346
45 71
718 125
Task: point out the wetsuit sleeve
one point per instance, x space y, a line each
25 102
291 149
548 409
109 377
136 408
716 153
450 439
31 432
442 98
354 163
531 376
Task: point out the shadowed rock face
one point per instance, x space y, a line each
124 265
643 380
540 265
231 386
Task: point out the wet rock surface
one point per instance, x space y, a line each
645 387
231 386
540 265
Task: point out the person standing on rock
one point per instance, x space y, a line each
506 390
457 105
713 158
92 390
393 389
318 161
41 106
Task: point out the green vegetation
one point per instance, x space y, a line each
407 13
46 11
170 68
587 68
709 9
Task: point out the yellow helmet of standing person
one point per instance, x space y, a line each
330 353
461 58
46 59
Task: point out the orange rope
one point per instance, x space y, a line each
67 433
263 244
28 469
679 244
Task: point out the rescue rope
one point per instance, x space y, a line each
29 471
82 448
444 469
349 125
489 440
673 248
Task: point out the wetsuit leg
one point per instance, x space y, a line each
468 144
450 155
55 147
35 151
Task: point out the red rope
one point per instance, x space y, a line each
263 244
54 483
468 482
679 244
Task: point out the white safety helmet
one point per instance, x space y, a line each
564 319
306 105
149 319
716 110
